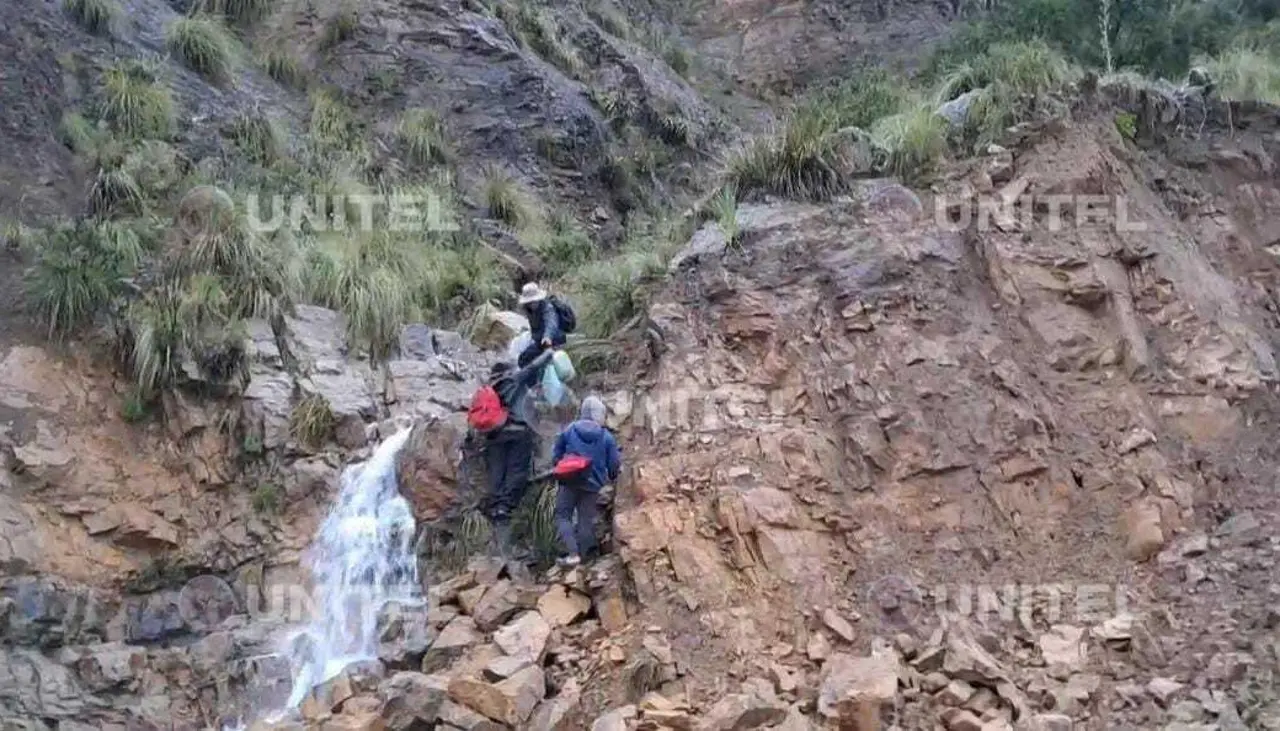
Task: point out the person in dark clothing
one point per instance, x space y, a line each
588 438
509 449
544 323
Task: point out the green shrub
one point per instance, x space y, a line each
1127 125
135 103
95 16
724 210
267 498
203 44
538 30
913 142
1005 76
333 127
423 134
341 27
608 293
311 421
115 191
562 246
156 167
133 407
861 100
801 161
78 272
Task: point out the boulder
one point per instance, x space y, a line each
850 683
412 700
560 605
525 638
494 329
511 702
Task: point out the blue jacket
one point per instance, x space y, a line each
591 440
544 322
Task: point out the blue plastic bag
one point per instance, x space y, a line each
552 388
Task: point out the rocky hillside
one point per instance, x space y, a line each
884 469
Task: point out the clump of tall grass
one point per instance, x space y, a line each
311 421
258 137
423 134
1246 74
203 43
562 245
78 272
537 29
95 16
802 160
134 101
912 142
508 201
333 127
283 65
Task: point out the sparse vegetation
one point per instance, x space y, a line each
282 64
79 270
258 137
133 407
507 200
422 133
311 421
562 245
724 209
333 127
95 16
539 31
912 142
241 12
340 27
1246 74
267 498
203 44
135 103
113 192
610 18
1127 125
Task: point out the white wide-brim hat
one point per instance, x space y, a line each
530 293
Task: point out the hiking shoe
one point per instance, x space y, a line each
569 562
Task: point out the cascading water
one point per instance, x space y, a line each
362 559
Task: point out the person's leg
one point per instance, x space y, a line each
519 469
533 350
495 462
566 502
586 528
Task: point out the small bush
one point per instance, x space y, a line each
422 132
135 103
802 160
507 200
133 407
610 292
79 270
913 142
258 137
1127 125
1246 74
333 126
242 12
534 523
311 421
610 18
1006 75
95 16
724 210
537 29
267 498
863 99
282 64
156 167
203 44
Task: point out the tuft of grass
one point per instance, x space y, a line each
203 43
534 522
912 142
113 192
258 137
724 209
79 271
1127 125
133 407
156 167
537 29
341 27
609 293
449 547
241 12
423 134
802 160
135 103
267 498
562 246
861 100
611 18
283 65
311 421
333 127
96 16
1245 74
507 200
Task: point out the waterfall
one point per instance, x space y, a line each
362 559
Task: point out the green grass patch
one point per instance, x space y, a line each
133 407
203 43
507 200
537 29
135 102
340 27
96 16
115 192
258 137
912 142
334 128
312 422
424 137
240 12
283 65
268 498
562 245
79 271
1246 74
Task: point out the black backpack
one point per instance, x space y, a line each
568 320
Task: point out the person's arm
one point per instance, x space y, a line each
557 451
528 376
614 457
550 323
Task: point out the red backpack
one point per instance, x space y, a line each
571 466
486 413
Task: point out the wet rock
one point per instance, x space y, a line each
511 701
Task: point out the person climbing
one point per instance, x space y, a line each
550 321
585 459
502 413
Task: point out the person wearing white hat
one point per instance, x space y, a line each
550 320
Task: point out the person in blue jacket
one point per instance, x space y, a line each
546 330
586 437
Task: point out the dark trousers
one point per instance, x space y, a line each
509 461
535 349
578 537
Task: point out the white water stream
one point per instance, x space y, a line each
361 560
